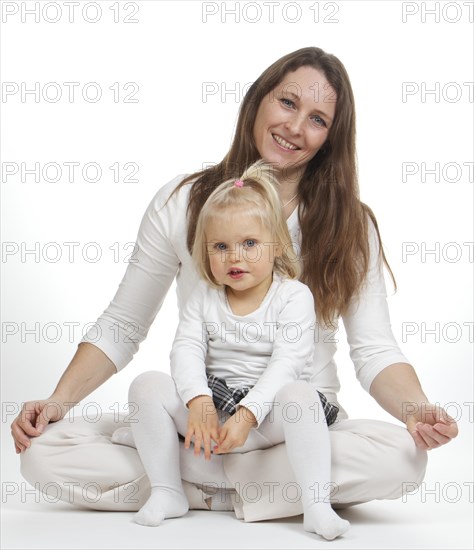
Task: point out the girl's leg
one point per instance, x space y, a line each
209 474
216 487
194 469
156 439
298 418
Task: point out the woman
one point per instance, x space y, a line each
299 116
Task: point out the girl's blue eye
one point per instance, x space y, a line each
249 243
220 246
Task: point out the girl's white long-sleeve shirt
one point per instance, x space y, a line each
161 255
265 349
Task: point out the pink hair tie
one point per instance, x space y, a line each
239 183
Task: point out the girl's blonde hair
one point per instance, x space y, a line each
258 197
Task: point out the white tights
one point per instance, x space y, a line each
297 418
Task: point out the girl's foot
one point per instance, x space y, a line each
164 503
323 520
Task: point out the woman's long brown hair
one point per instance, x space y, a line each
333 220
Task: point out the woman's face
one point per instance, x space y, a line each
294 119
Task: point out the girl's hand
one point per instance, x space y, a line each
431 427
203 424
235 431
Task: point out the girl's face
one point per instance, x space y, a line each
294 119
241 252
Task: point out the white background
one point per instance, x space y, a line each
170 53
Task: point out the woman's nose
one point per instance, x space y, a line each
295 124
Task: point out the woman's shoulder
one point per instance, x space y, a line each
170 196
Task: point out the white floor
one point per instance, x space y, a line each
438 516
382 524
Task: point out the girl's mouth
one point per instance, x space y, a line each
236 273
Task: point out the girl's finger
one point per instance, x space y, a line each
215 437
207 447
197 444
187 438
222 446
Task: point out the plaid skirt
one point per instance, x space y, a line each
226 399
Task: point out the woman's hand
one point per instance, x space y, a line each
431 427
203 423
235 431
33 418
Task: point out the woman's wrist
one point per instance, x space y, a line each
61 402
397 390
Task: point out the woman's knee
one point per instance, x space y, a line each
395 464
413 461
34 464
406 468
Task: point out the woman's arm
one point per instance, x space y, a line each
398 390
152 267
123 325
381 367
88 369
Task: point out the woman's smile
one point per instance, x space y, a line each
284 144
291 127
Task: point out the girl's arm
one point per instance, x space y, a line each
188 370
189 350
293 349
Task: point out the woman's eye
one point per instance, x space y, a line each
220 246
287 102
249 243
319 121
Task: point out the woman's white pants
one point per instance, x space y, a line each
75 460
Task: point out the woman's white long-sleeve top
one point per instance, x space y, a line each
161 255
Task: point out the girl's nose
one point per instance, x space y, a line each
235 253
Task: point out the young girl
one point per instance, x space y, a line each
242 356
